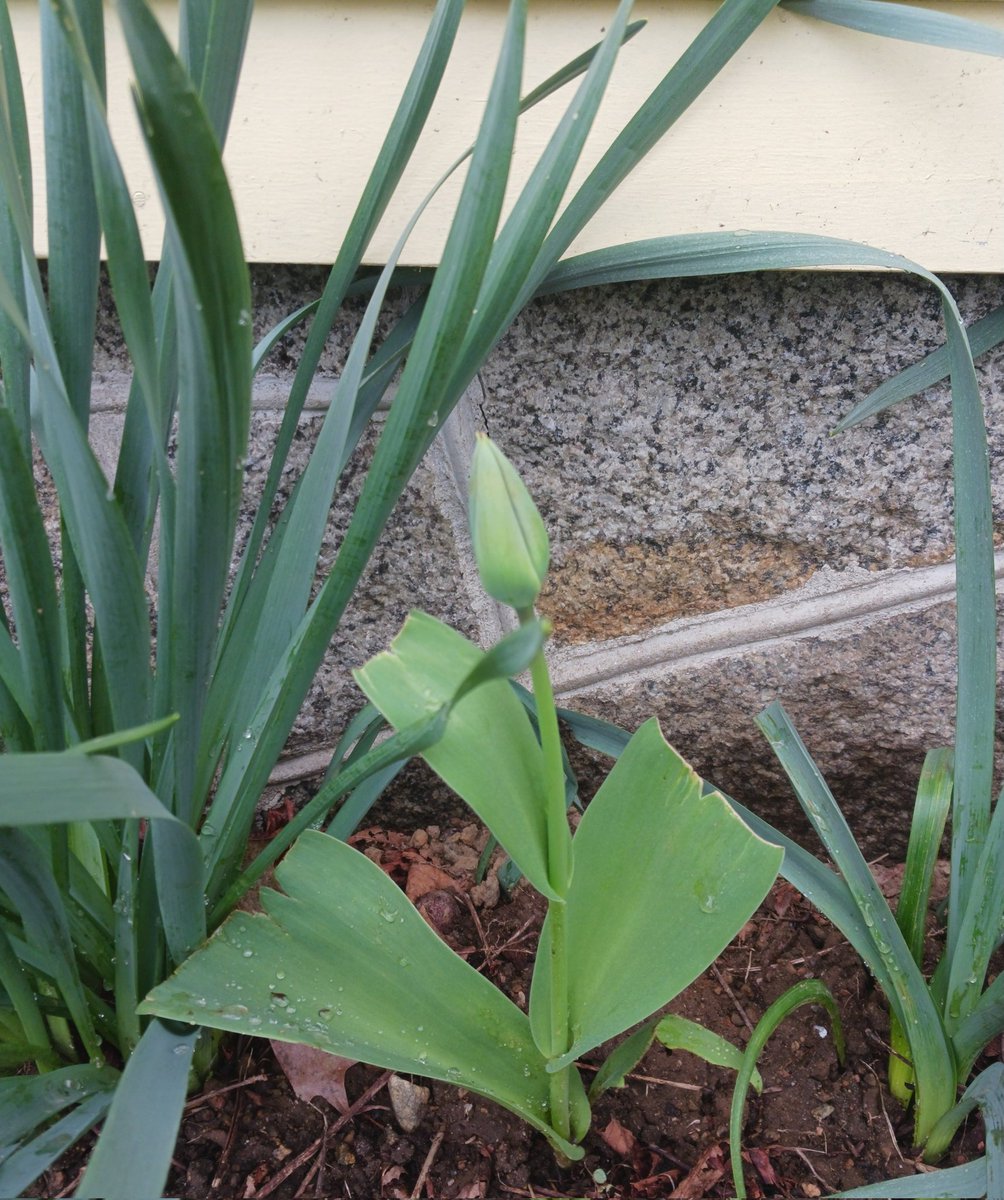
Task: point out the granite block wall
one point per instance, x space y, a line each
714 547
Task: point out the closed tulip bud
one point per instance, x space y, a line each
510 541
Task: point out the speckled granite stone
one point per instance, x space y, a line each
677 438
868 698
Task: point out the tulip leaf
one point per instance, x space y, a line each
686 873
488 754
342 961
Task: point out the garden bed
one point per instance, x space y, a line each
817 1127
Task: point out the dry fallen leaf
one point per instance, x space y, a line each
620 1140
704 1174
761 1160
314 1072
423 878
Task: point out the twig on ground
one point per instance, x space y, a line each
296 1163
673 1083
317 1166
197 1102
888 1123
732 996
803 1153
430 1158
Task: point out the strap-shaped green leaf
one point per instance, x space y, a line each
904 22
809 991
986 1092
146 1111
31 579
907 990
342 961
488 754
696 874
968 1182
27 1105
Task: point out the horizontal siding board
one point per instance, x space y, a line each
810 128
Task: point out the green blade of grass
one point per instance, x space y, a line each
904 22
809 991
395 153
27 1163
518 243
934 1065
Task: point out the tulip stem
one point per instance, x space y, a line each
559 854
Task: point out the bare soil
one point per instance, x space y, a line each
818 1127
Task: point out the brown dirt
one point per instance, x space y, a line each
817 1128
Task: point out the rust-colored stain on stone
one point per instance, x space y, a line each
602 590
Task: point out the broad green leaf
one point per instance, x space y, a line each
146 1111
677 1033
686 873
342 961
905 22
508 657
488 755
809 991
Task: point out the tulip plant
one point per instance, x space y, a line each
655 883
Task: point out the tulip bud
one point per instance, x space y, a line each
510 541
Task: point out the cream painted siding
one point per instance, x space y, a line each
810 128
